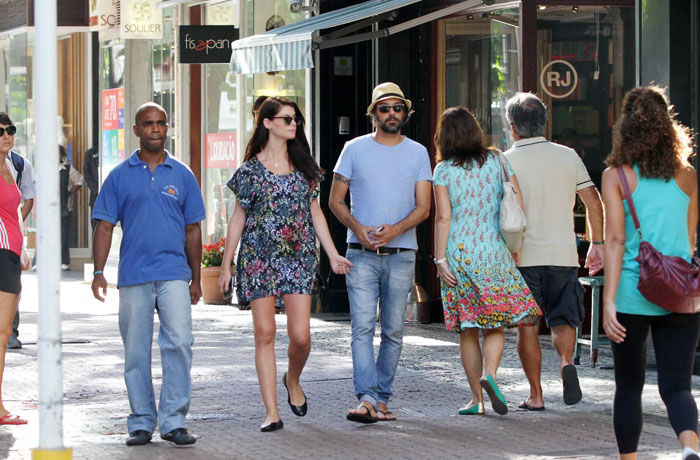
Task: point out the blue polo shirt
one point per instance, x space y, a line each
153 209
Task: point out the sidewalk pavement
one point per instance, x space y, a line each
227 408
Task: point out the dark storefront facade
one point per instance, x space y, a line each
580 57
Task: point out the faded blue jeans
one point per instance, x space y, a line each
386 278
171 300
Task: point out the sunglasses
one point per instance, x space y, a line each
288 120
398 108
11 130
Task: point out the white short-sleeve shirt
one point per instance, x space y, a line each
549 175
28 185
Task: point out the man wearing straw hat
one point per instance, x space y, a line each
388 176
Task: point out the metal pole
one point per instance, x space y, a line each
48 244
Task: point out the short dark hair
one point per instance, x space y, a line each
527 114
5 118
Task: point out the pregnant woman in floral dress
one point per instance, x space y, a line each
277 219
481 288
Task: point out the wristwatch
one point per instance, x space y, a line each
439 261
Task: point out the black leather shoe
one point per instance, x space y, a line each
180 437
272 426
299 411
138 438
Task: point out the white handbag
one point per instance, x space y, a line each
512 218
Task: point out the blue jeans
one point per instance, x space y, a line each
386 278
171 299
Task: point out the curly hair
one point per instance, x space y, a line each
647 134
459 138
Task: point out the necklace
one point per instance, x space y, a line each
277 161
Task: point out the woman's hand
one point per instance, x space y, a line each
224 280
446 275
613 329
516 257
24 262
340 265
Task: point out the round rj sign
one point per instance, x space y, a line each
558 79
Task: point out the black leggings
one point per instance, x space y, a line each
675 338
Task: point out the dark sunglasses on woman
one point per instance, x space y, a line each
11 130
398 108
288 120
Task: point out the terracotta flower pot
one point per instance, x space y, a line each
210 287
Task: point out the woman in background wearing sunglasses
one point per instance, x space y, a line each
277 219
10 253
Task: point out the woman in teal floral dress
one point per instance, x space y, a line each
277 219
481 287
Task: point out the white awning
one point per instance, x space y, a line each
290 47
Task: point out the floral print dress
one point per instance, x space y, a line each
277 254
490 291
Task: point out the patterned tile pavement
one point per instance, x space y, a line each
227 409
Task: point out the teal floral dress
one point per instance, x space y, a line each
277 254
490 291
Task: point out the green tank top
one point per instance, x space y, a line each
662 209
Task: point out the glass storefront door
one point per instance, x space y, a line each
482 67
585 65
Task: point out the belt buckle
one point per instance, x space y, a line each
382 253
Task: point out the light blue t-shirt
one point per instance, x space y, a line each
153 209
383 183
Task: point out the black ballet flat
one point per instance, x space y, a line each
272 426
299 411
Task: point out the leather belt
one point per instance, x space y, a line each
379 251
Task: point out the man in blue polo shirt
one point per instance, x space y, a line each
157 200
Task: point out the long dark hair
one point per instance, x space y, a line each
298 148
648 134
459 138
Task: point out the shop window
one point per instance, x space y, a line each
482 68
229 99
585 65
163 61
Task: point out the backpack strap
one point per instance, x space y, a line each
18 163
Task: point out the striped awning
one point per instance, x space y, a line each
290 47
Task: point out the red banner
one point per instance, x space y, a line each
113 109
220 150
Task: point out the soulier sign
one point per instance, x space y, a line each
206 44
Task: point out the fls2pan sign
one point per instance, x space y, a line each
206 44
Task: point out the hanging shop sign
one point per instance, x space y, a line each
206 44
220 150
140 19
112 147
104 14
558 79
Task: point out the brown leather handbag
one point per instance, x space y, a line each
667 281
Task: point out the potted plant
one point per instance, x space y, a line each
212 255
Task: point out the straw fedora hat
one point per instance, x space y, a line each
387 90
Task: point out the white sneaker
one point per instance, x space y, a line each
65 267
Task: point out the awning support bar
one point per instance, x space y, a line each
391 15
328 41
